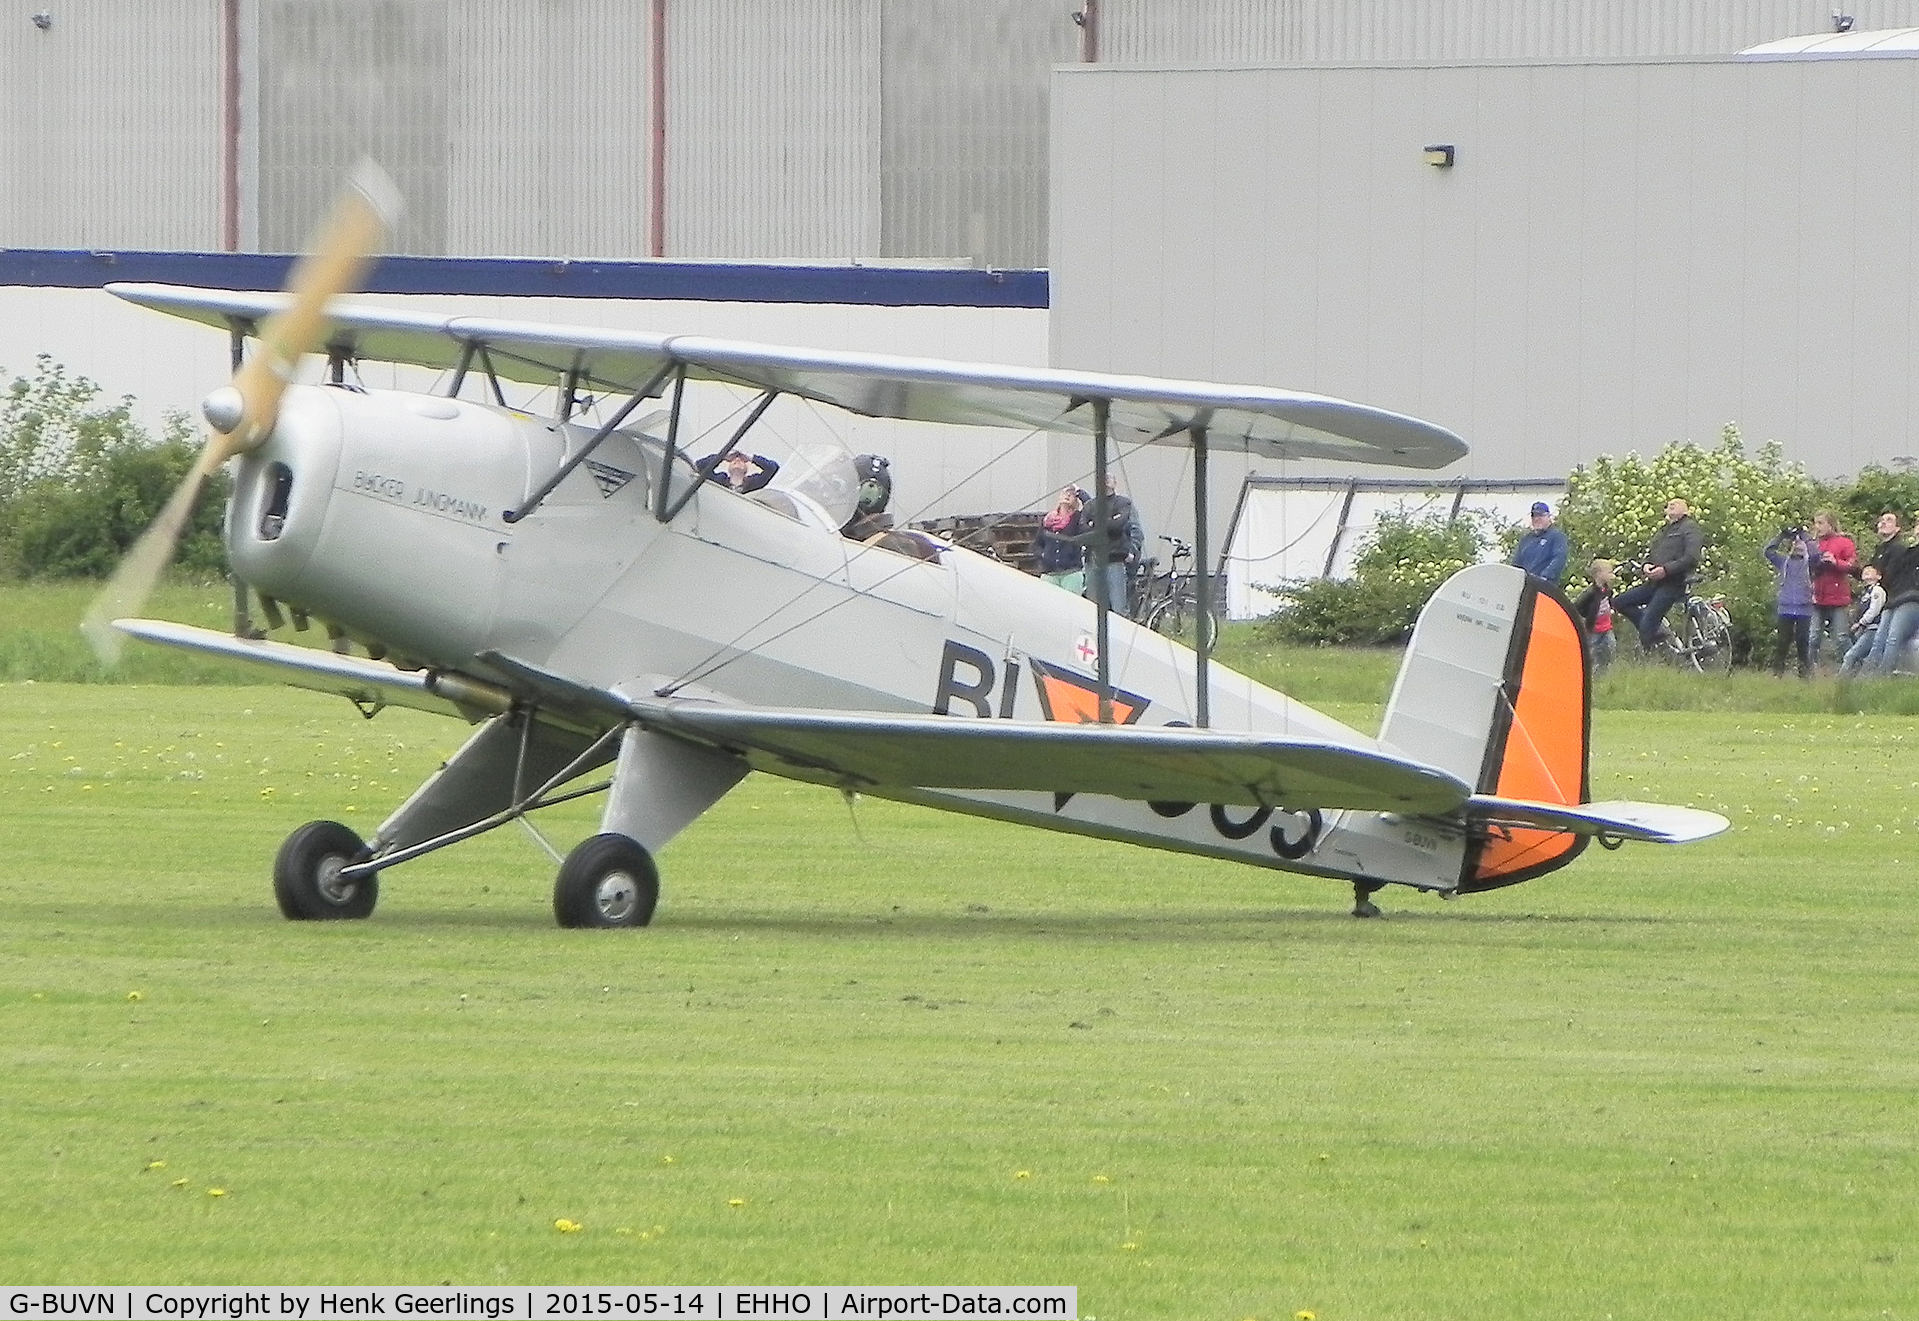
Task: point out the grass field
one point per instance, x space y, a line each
879 1044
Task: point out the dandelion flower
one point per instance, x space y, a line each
156 1165
1303 1315
1022 1174
566 1226
179 1183
135 996
666 1160
1129 1247
216 1192
736 1201
1101 1178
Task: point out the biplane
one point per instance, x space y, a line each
607 620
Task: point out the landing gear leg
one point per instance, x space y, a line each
1363 905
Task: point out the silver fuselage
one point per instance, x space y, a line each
382 513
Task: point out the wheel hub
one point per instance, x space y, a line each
331 887
617 895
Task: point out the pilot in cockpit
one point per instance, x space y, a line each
738 471
876 490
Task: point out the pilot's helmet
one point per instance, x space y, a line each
876 483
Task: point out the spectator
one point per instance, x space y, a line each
1865 629
738 471
1125 538
1790 554
1542 547
1062 550
1595 610
1670 563
1834 563
1898 563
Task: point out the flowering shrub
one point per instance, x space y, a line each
1614 508
1402 562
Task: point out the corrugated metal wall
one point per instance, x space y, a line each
813 128
112 129
773 123
963 125
548 123
340 79
1369 31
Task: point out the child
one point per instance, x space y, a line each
1595 610
1865 629
1790 555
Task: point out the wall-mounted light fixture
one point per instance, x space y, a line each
43 20
1440 155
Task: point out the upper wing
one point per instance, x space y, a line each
1279 424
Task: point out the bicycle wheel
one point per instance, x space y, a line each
1171 617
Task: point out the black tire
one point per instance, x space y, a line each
306 875
607 881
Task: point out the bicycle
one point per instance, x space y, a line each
1701 639
1169 602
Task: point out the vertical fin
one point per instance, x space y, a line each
1495 689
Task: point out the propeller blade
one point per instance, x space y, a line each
335 262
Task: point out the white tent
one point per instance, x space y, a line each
1287 529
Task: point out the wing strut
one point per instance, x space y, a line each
638 397
1202 587
1102 556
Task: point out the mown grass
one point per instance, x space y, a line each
925 1049
40 641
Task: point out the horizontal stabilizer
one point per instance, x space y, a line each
1654 823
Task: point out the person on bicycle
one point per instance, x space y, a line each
1062 551
1670 563
1791 556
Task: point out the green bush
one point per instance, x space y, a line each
80 480
1402 563
1614 508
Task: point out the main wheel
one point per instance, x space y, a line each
306 874
607 881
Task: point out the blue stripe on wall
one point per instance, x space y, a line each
716 282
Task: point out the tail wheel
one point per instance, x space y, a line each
306 874
607 881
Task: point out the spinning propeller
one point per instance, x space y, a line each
241 415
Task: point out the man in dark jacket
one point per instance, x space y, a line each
1898 563
1542 547
1670 563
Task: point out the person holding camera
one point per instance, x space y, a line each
1791 556
1670 563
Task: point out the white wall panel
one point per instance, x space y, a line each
113 126
1626 253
